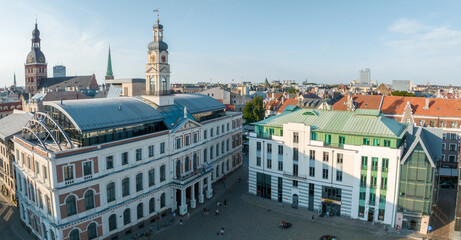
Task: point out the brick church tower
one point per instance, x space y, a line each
35 65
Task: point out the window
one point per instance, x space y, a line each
162 200
151 150
195 138
138 182
228 128
374 164
92 233
444 147
362 195
269 148
74 235
139 154
125 187
327 139
39 196
366 141
222 147
68 172
258 161
295 154
311 170
87 168
126 216
217 149
342 140
372 199
162 173
387 143
45 172
139 211
361 211
295 169
280 149
325 172
280 165
227 144
124 158
89 199
162 147
295 183
205 155
339 175
258 146
384 183
363 180
151 177
312 154
421 122
452 147
211 153
339 158
217 130
295 137
385 164
364 162
325 156
271 131
204 134
211 132
71 205
152 205
110 188
112 222
269 163
373 182
48 205
109 162
376 142
187 140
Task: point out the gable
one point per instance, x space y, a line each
186 124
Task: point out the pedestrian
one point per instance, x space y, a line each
180 221
204 211
222 231
328 214
174 215
188 215
217 212
207 211
225 202
240 179
218 204
312 217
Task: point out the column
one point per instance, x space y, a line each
183 207
193 202
209 191
200 191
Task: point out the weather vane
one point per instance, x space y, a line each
156 10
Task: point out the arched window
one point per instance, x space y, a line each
89 200
112 222
140 211
187 164
195 161
217 171
74 235
70 205
110 192
152 205
151 177
44 232
227 163
152 79
138 182
126 216
162 200
222 168
163 79
52 237
92 232
178 168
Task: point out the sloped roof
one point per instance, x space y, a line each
339 122
114 92
430 140
82 82
198 103
13 124
106 113
361 101
290 101
437 106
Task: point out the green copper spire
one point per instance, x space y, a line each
109 73
266 83
14 83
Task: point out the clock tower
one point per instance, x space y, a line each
35 65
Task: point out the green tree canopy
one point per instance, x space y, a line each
254 111
403 93
292 90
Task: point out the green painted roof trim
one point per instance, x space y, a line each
339 122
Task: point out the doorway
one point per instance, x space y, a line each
295 201
371 212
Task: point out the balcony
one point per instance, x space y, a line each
199 172
159 93
298 177
335 145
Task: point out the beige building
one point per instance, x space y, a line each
128 87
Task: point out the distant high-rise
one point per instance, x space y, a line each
59 71
364 76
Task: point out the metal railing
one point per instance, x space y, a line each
159 93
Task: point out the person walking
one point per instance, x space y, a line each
188 215
222 231
204 211
174 215
328 214
225 202
217 213
180 221
312 217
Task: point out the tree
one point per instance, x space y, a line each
292 90
253 110
403 93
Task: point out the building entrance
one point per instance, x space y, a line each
332 208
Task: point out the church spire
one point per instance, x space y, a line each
109 74
14 83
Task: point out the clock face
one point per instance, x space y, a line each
163 58
30 59
40 59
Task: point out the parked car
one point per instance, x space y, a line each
328 237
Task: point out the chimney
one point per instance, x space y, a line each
273 95
426 106
410 128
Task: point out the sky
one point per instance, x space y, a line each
224 41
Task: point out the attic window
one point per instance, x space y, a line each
397 107
366 105
437 108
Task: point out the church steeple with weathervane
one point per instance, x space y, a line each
157 68
109 73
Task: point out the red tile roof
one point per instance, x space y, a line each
290 101
437 106
361 101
